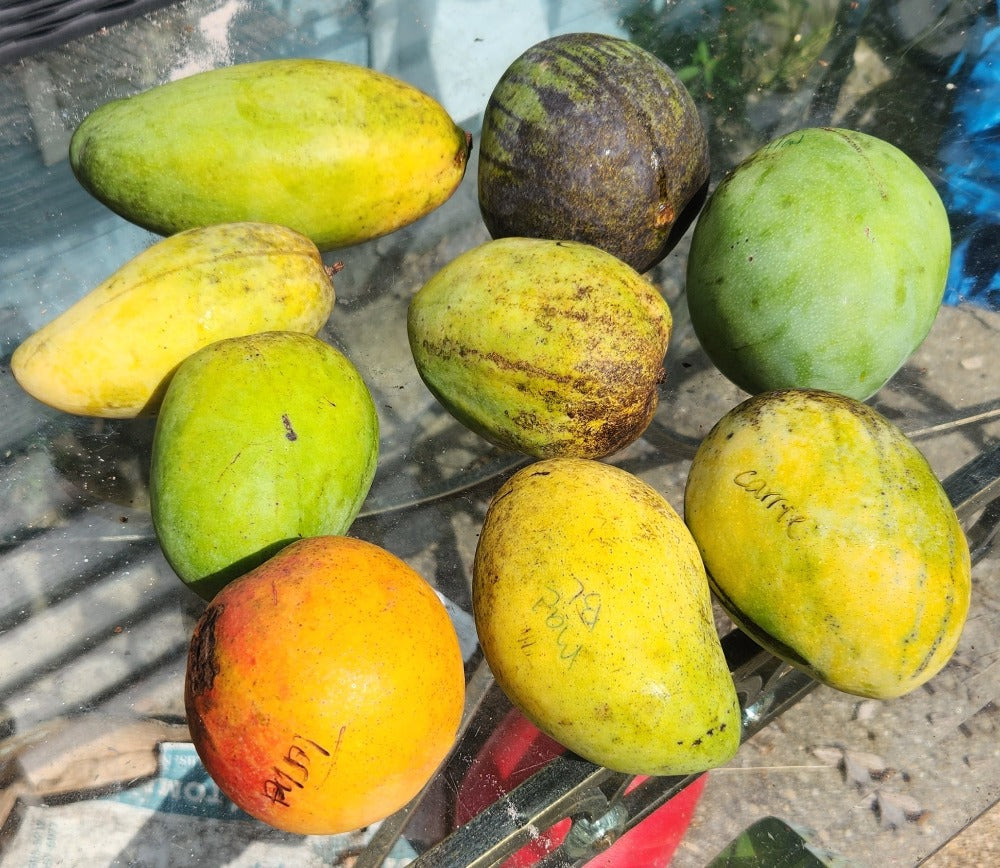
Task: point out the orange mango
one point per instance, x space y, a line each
324 687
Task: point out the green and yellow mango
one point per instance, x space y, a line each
828 538
339 152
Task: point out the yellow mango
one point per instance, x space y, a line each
339 152
550 348
829 540
594 614
111 354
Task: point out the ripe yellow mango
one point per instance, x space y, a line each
112 353
339 152
828 539
594 614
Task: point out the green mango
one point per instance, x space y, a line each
828 539
591 138
340 153
260 440
594 613
550 348
819 262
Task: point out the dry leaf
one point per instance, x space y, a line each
866 710
861 767
896 809
829 756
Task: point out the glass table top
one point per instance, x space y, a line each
96 761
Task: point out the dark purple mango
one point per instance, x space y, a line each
591 138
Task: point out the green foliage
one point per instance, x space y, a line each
727 53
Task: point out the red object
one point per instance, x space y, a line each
516 750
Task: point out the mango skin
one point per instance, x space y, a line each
261 440
339 152
543 347
112 353
829 540
819 262
589 137
594 614
324 688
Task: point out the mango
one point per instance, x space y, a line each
594 614
111 354
261 440
339 152
591 138
543 347
828 539
324 688
818 263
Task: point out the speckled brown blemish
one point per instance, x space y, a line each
753 411
464 151
606 402
202 665
447 348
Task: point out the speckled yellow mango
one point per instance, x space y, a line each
339 152
550 348
594 614
112 353
828 538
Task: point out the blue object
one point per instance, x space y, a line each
971 171
974 274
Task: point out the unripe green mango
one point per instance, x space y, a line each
260 440
828 538
544 347
594 614
339 152
818 262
